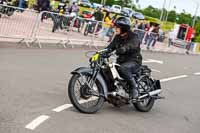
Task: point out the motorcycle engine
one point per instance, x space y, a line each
121 92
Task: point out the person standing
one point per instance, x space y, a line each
153 33
44 5
190 43
74 8
141 31
171 38
98 14
21 3
106 24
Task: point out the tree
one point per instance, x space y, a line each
152 12
123 3
172 16
197 30
185 18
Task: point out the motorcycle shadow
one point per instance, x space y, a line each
126 110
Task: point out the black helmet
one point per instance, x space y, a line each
123 23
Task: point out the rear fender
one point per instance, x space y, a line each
83 70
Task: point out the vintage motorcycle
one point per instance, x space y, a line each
6 9
90 87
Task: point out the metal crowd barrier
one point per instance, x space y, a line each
17 23
48 27
145 37
66 30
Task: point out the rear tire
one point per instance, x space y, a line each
80 107
148 102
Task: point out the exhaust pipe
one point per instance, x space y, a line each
152 93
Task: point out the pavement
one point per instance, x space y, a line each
34 98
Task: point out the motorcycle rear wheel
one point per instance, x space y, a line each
147 103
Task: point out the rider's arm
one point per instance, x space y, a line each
111 47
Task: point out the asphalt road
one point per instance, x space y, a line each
34 81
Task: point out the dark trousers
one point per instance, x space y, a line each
126 70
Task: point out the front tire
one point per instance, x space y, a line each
81 105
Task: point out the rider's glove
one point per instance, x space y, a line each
121 50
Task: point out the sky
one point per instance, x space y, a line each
188 5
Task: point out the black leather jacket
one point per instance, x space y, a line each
127 48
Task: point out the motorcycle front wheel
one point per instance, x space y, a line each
80 94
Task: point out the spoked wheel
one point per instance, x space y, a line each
145 104
86 99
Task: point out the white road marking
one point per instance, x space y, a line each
62 107
156 61
154 70
36 122
153 61
66 106
198 73
173 78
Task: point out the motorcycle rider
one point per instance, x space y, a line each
127 46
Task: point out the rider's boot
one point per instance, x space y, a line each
134 94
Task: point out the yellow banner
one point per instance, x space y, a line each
197 49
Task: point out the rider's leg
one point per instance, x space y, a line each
126 70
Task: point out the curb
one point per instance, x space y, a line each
4 44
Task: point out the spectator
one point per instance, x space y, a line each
110 32
171 38
141 31
190 43
3 1
98 14
107 22
21 3
153 33
74 8
156 34
44 5
135 26
147 28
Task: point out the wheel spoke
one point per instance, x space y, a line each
93 96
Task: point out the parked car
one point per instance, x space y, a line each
85 3
95 5
116 9
138 15
107 8
86 14
127 12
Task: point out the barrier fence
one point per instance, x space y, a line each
17 23
65 30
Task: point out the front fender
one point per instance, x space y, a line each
83 70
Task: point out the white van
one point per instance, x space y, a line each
116 8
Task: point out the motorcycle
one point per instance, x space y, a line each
89 87
6 9
90 27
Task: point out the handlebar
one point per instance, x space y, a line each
106 53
